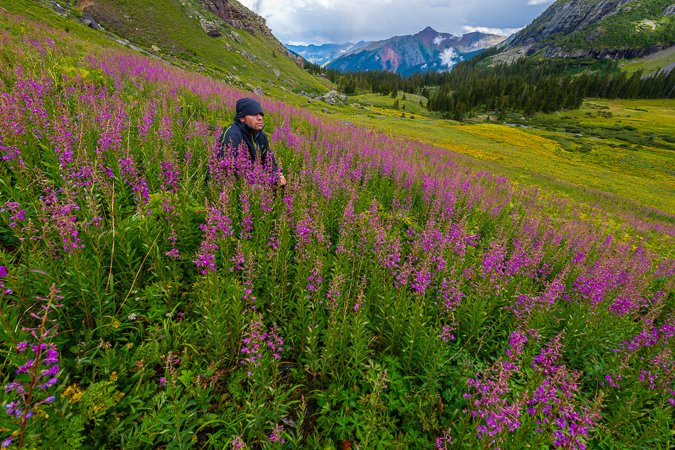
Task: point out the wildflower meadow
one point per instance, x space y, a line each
393 295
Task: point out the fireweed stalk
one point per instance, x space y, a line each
645 372
336 304
261 351
35 378
171 362
378 382
547 404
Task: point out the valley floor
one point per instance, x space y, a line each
620 149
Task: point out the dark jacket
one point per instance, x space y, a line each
256 142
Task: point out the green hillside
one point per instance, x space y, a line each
241 58
640 32
639 24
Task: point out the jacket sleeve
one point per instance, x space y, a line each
231 137
265 145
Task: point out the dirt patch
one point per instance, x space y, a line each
82 4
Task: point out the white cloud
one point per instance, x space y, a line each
438 39
539 2
449 57
303 43
487 30
340 21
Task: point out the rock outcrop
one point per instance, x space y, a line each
248 55
210 28
333 98
89 21
566 17
590 20
238 16
237 38
602 53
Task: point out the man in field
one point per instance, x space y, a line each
248 129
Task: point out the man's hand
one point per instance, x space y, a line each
282 180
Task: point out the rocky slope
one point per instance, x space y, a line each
219 38
617 29
135 18
427 50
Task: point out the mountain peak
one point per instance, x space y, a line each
426 33
426 36
425 51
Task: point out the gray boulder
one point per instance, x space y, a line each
333 98
248 55
669 11
89 21
237 38
210 28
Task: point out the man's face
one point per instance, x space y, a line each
255 121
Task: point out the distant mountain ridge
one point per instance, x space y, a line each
425 51
321 54
616 29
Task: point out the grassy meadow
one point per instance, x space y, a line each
591 154
417 284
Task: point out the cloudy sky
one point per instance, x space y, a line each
318 22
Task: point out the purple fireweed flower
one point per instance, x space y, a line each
552 400
333 295
276 434
3 273
447 333
38 374
647 359
171 361
442 442
173 238
260 342
218 226
238 443
314 280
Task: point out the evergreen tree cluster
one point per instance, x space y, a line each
535 93
525 86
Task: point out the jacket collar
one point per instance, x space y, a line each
245 128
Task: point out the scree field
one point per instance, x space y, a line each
396 294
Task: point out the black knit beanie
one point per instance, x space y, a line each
248 107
